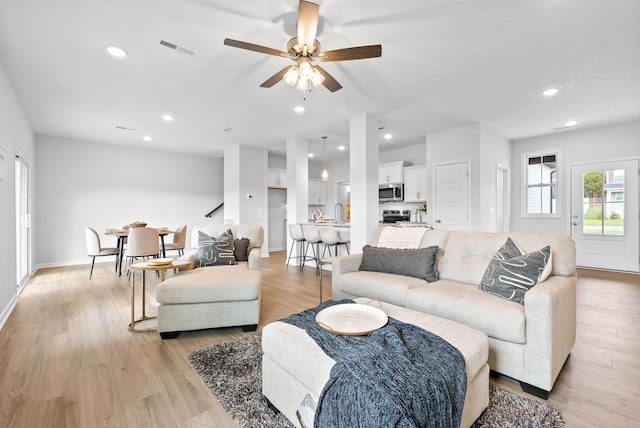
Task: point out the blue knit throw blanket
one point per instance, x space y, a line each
397 376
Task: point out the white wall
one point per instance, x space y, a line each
82 183
16 137
494 150
456 145
592 144
483 149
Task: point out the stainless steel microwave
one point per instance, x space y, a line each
392 192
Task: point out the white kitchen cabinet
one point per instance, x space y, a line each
276 178
392 172
317 192
415 183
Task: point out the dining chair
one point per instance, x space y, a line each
94 249
142 243
179 240
330 238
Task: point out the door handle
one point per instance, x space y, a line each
438 221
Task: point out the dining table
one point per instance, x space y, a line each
122 233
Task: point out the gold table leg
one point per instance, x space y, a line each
132 326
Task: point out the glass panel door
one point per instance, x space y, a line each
604 202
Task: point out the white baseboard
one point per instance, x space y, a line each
7 311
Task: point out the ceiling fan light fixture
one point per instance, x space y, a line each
291 76
316 77
306 70
303 84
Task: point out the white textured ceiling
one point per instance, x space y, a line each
444 64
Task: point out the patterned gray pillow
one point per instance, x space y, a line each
418 262
511 277
215 251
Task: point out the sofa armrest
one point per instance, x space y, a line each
192 257
550 310
344 264
340 266
255 257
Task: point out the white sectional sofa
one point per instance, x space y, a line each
529 342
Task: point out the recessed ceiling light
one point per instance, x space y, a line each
550 92
116 51
388 136
341 147
298 109
168 117
310 155
571 123
146 138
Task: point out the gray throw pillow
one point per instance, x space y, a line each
508 251
241 249
511 278
215 251
416 262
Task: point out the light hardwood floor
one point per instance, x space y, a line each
68 360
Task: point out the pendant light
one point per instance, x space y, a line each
324 174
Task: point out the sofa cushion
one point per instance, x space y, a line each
467 304
215 251
511 277
387 287
210 284
418 262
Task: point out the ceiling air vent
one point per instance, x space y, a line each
176 47
124 128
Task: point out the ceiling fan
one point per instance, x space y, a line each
304 49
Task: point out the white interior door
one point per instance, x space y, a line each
604 215
23 221
277 201
502 199
451 209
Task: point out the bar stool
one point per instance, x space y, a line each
312 236
295 232
330 238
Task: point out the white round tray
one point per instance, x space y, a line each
351 319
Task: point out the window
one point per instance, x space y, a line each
541 184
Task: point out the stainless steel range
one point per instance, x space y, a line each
392 216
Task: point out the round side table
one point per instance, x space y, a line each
144 267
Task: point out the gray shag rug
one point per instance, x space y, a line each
233 373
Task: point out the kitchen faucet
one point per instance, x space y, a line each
338 215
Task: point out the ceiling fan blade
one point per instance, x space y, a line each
308 14
329 82
346 54
275 78
255 48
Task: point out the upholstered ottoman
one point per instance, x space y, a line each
293 365
209 297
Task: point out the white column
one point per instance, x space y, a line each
363 152
297 184
245 188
